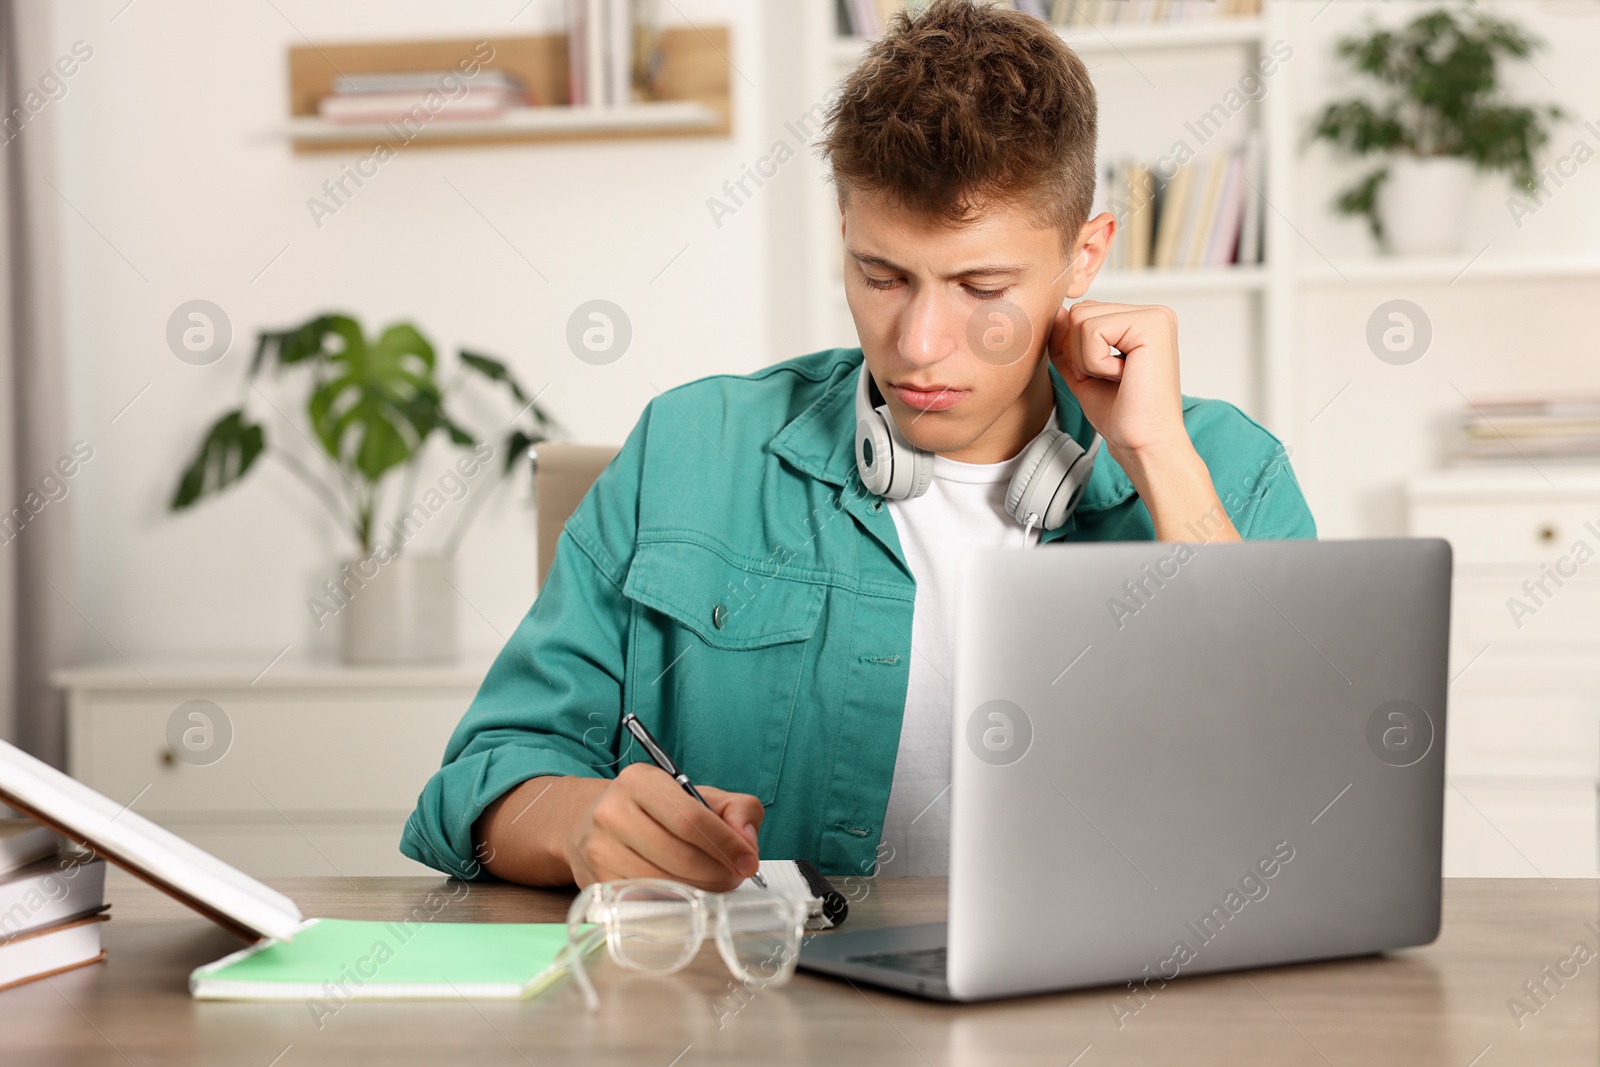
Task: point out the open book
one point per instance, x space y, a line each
222 893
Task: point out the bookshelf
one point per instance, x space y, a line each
1263 301
694 89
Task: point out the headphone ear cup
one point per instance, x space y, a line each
1067 497
1050 480
1021 495
874 454
889 465
921 470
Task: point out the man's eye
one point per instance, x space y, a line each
988 294
879 283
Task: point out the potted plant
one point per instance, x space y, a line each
370 409
1438 117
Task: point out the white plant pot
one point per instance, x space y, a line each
1424 204
405 613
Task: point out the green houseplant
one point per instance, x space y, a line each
371 407
1438 115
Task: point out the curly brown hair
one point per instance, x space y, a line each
963 105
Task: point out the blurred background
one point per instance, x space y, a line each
290 285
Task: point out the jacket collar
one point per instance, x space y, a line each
820 441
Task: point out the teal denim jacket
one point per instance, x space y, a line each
730 581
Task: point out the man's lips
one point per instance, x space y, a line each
929 397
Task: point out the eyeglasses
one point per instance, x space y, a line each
656 927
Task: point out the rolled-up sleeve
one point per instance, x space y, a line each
551 703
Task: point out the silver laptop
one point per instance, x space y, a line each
1169 761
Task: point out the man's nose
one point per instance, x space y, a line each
931 329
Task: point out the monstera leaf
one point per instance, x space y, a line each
373 405
229 449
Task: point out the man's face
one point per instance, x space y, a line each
954 321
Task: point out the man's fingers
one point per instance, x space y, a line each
673 856
615 859
1079 346
690 821
1092 343
739 810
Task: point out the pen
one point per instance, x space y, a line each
659 757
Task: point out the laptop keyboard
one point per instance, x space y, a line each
922 961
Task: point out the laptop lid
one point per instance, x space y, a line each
1172 759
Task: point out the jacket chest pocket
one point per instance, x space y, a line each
715 658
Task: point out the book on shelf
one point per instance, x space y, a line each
867 18
619 52
1172 208
1205 215
1531 428
390 96
1253 175
412 81
608 42
1141 229
595 37
1223 242
391 107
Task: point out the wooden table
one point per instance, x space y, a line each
1442 1004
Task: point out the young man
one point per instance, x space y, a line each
785 633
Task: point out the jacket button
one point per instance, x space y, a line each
719 616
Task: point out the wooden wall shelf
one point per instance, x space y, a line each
694 90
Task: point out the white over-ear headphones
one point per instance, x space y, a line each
1049 481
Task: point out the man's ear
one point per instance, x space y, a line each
1094 244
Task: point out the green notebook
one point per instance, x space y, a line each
339 960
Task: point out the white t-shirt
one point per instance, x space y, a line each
964 508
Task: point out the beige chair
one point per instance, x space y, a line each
562 474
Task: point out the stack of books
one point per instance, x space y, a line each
605 40
52 903
1205 213
1535 428
425 94
867 18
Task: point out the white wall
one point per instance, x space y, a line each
166 148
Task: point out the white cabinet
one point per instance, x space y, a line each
300 770
1523 741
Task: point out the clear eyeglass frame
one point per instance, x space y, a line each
656 927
